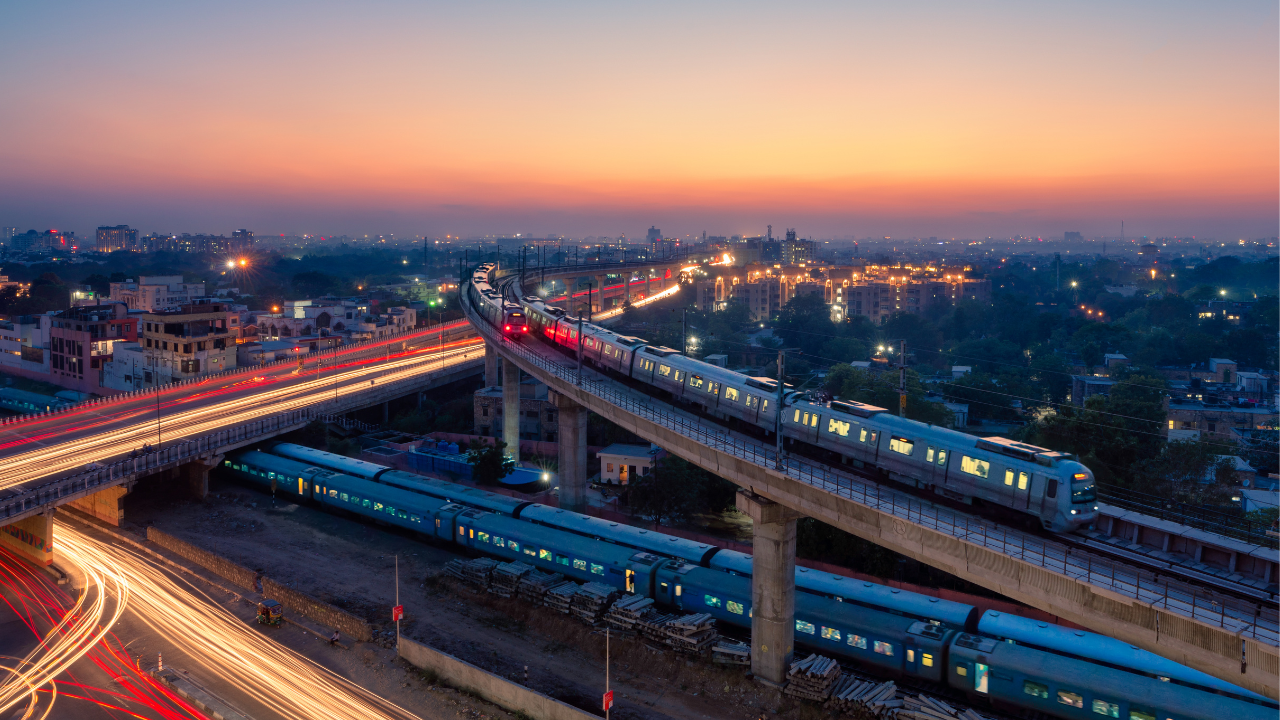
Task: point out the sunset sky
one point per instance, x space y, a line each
839 119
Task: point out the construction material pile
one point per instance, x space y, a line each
505 580
475 571
731 652
852 695
591 601
626 614
922 707
692 634
812 678
534 586
560 597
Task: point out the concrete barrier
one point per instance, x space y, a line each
497 690
321 612
236 573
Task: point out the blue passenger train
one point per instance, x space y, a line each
1061 673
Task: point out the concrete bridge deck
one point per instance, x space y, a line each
1231 639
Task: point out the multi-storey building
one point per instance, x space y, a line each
82 341
117 237
538 414
153 293
178 344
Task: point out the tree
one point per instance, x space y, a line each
489 463
675 490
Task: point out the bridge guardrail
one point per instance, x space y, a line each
1239 617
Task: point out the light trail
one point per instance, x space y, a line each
277 394
639 303
289 685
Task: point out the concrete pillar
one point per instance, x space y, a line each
107 504
511 408
773 586
386 412
597 303
32 538
490 367
195 476
572 437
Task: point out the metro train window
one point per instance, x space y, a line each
838 427
752 401
679 376
942 457
1023 478
711 601
484 537
883 648
805 627
961 670
862 436
579 564
1008 477
1085 494
1106 709
664 370
830 634
695 381
901 445
1035 689
598 569
1066 697
857 641
1141 715
1052 490
734 607
731 394
713 388
980 673
926 659
813 422
974 466
928 455
544 555
796 419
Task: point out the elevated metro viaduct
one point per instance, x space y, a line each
27 509
775 499
611 285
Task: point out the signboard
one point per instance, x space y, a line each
608 700
397 612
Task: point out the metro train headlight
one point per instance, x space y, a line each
1074 511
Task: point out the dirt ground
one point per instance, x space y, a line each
350 562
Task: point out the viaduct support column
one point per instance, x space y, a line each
490 367
107 504
773 586
195 476
572 434
511 408
32 538
598 305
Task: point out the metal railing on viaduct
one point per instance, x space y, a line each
30 499
1232 639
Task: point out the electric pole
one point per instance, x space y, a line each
902 379
579 349
777 412
684 333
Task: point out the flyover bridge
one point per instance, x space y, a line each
1232 639
87 454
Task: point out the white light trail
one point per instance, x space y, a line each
289 685
639 303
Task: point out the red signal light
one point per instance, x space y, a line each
525 329
508 327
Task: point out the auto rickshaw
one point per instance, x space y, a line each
270 612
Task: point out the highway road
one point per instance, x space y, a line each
43 448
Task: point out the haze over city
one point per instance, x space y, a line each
578 119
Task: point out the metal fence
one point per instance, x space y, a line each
1227 524
1241 617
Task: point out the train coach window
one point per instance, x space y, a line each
544 555
1008 477
415 518
830 634
695 381
942 457
344 497
664 370
580 565
1106 709
1066 697
599 570
1035 689
1052 490
805 627
857 641
796 419
679 376
500 542
901 445
974 466
484 537
562 559
1023 479
531 552
882 648
961 670
862 436
1141 715
711 601
734 607
928 455
838 427
378 506
731 394
926 659
980 673
752 401
813 422
333 493
713 388
513 546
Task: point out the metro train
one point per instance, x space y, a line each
1009 661
1051 487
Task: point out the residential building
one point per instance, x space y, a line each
1218 421
619 463
117 237
154 293
265 351
49 241
1084 387
173 345
240 241
24 345
82 341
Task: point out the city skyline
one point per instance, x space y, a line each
494 119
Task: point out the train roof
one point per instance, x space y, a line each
1098 647
333 461
470 496
859 591
286 466
620 533
526 532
